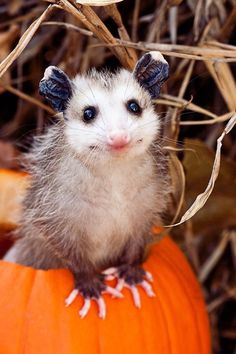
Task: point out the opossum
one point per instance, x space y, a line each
99 180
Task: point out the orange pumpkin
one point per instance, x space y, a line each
12 188
34 319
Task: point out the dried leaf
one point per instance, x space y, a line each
203 197
178 182
198 168
6 40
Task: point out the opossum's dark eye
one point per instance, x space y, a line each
134 107
89 114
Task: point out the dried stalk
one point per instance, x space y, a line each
27 98
90 19
135 20
184 51
203 197
113 12
68 26
214 257
231 293
23 42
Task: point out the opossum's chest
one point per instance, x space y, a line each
115 211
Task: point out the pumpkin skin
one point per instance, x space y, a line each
34 319
12 189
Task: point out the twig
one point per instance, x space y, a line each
218 119
112 11
231 293
183 51
90 19
68 26
23 42
214 258
191 247
28 98
134 34
183 104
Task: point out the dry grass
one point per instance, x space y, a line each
199 99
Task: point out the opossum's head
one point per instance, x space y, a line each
108 115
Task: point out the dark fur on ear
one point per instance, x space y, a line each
56 88
151 71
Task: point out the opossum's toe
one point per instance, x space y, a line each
135 294
101 307
149 276
85 309
71 297
129 277
147 288
91 289
134 290
113 291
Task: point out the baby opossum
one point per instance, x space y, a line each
98 180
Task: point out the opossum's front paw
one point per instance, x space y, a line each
130 276
91 289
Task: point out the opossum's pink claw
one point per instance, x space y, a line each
132 276
113 291
71 297
134 290
85 309
120 284
93 296
136 296
101 307
149 276
148 288
100 302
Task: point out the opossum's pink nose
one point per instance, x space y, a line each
118 138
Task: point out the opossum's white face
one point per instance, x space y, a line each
110 115
107 115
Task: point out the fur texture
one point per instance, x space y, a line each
88 204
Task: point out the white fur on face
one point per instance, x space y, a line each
109 94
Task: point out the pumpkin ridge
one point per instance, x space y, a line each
144 342
14 278
187 290
26 318
99 338
183 286
156 276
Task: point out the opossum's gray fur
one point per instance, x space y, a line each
82 216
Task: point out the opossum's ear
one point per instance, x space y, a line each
56 87
151 71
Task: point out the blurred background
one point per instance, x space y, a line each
198 39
